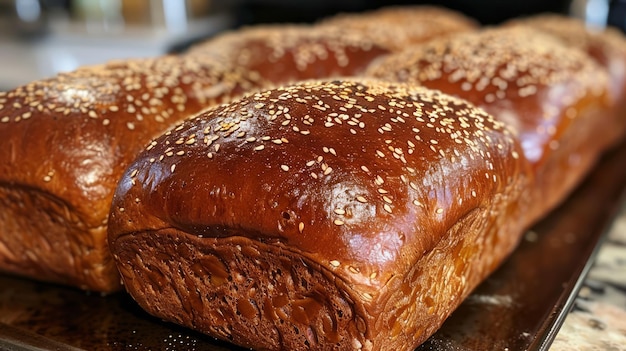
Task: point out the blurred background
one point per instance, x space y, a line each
39 38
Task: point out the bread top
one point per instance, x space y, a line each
361 176
398 27
288 53
607 46
521 76
72 135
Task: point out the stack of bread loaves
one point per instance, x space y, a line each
353 211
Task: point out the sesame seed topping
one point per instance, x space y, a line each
338 222
387 208
335 263
361 199
284 167
301 227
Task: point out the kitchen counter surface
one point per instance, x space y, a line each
598 319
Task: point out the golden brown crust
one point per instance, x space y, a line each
66 141
376 195
554 97
288 53
399 27
606 46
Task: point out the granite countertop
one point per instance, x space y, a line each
598 319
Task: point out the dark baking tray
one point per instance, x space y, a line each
520 307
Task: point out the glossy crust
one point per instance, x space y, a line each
67 140
399 27
288 53
556 98
606 46
324 215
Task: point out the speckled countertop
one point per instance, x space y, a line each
598 319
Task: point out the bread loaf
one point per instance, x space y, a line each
399 27
288 53
607 46
347 214
556 98
67 140
70 137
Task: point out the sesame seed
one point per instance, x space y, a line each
379 180
361 199
334 263
301 227
173 168
259 147
439 210
340 211
338 222
284 168
387 208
